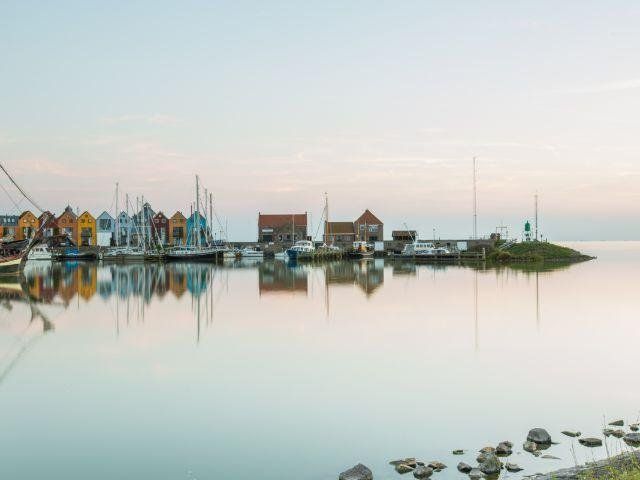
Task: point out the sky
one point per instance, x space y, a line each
381 104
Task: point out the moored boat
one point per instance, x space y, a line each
419 249
73 253
192 254
249 252
123 254
11 264
40 252
300 250
361 250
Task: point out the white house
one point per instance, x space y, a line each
105 230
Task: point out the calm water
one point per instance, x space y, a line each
261 370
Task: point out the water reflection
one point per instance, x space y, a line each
64 282
264 357
15 292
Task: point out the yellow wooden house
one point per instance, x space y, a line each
28 225
86 230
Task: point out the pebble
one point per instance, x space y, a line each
569 433
617 423
590 442
404 468
464 467
513 467
422 472
476 474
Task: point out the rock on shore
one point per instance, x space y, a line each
359 472
539 436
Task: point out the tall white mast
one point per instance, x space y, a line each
536 220
326 214
144 226
211 214
128 223
475 202
207 220
117 217
197 216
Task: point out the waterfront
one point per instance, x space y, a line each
260 370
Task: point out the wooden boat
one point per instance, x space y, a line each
12 264
192 254
72 253
361 250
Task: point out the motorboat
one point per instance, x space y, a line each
40 252
249 252
301 249
361 250
229 253
420 249
73 253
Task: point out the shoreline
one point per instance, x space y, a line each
621 463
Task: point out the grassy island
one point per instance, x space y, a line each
536 252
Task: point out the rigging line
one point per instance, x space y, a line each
324 212
33 202
17 205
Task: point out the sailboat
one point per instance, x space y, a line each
13 255
197 252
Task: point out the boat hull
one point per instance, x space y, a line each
360 254
11 266
196 257
80 256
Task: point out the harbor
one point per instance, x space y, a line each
139 233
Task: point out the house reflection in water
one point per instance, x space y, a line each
278 277
367 274
67 280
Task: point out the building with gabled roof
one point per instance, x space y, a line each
339 233
282 228
160 227
8 227
28 225
177 229
68 224
86 230
367 227
48 224
105 229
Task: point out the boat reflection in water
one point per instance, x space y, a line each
21 315
65 281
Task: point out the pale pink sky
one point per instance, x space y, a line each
381 105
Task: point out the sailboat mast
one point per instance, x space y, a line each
144 226
207 220
326 219
128 223
197 216
211 214
117 216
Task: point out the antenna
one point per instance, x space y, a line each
475 201
536 219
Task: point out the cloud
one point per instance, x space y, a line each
605 87
156 119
